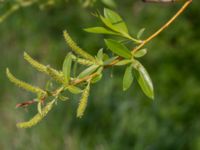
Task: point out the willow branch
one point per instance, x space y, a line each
168 23
180 11
89 77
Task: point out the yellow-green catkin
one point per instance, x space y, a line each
82 61
40 67
37 118
83 102
76 48
23 84
58 76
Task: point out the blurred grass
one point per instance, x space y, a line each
114 119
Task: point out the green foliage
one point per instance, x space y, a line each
67 67
143 79
118 48
94 66
128 78
113 119
114 24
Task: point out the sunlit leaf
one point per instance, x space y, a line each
97 78
140 33
115 20
74 89
118 48
67 66
88 71
128 78
144 80
63 98
109 3
140 53
123 62
100 30
100 54
109 60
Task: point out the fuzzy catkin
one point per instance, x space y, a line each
40 67
76 48
23 84
82 61
37 118
83 102
56 75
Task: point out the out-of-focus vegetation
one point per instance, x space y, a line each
114 119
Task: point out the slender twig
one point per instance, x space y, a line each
89 77
180 11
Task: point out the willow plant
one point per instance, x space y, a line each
112 24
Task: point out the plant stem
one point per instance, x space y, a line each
89 77
180 11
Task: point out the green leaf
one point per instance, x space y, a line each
118 48
140 53
67 66
123 62
88 71
144 79
97 78
100 54
128 78
115 20
109 60
100 30
74 89
109 3
140 33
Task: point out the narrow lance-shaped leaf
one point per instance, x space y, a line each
140 33
140 53
98 77
116 20
67 67
128 78
144 79
109 60
88 71
100 30
100 54
118 48
74 89
123 62
83 102
110 3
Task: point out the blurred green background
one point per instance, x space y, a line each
114 120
